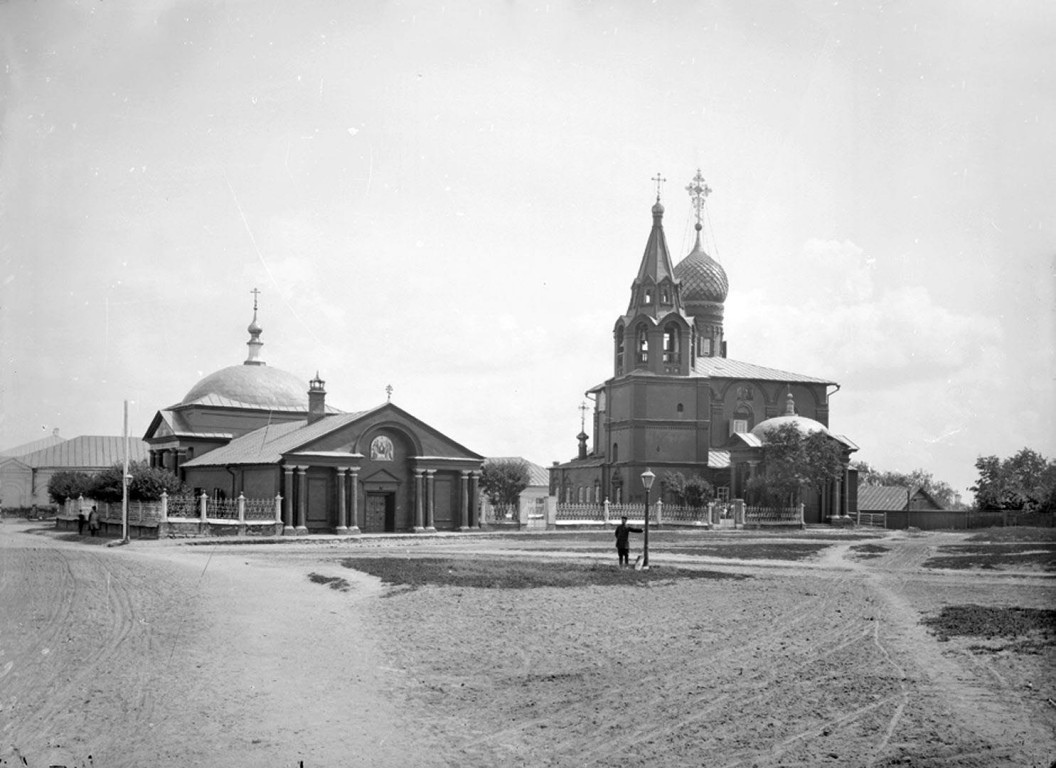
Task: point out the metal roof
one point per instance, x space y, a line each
536 474
882 498
719 459
87 452
36 445
725 368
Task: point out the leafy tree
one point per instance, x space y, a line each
692 492
502 481
822 461
792 461
778 479
147 483
68 485
942 492
1026 480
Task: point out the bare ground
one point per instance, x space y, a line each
158 654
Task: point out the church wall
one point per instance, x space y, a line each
260 483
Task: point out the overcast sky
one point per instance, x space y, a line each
454 199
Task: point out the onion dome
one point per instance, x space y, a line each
703 279
805 425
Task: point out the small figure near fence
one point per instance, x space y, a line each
623 532
93 521
82 518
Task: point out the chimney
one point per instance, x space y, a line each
316 399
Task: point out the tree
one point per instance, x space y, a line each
68 485
147 483
791 461
502 481
942 492
1024 481
822 461
692 492
780 476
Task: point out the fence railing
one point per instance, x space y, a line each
872 519
773 515
184 507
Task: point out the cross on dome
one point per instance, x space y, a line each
698 192
658 181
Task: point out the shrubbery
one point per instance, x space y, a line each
147 484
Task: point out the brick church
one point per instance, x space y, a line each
676 403
259 431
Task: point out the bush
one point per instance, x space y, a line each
69 485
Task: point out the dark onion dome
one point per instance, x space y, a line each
251 386
703 279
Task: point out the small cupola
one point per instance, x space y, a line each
316 399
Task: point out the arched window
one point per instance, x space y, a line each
619 348
680 409
704 346
671 344
597 491
648 295
615 452
643 344
568 491
582 495
665 296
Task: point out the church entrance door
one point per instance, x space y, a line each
381 513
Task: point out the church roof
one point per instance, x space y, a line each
86 452
250 386
268 444
725 368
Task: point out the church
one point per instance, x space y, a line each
676 403
258 431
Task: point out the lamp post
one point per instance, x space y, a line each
647 481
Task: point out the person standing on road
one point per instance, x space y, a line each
623 532
81 520
93 521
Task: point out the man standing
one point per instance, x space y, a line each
622 532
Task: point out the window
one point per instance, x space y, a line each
597 491
705 346
643 344
671 343
680 409
723 493
648 295
619 348
582 495
615 452
665 296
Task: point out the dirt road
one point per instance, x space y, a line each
162 654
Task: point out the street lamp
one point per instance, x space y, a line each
647 481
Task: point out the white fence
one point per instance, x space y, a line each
183 508
733 514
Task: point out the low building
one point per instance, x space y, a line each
24 478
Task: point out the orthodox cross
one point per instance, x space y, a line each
255 293
698 192
583 417
388 393
658 181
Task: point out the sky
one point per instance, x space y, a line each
453 199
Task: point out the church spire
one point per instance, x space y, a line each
654 290
255 330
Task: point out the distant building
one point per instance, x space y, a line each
256 431
675 402
531 505
895 498
24 477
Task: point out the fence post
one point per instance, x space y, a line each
802 524
738 512
203 502
605 512
164 507
659 512
278 508
241 508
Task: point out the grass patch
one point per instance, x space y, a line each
752 550
995 556
870 550
335 582
495 573
1032 628
1015 533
